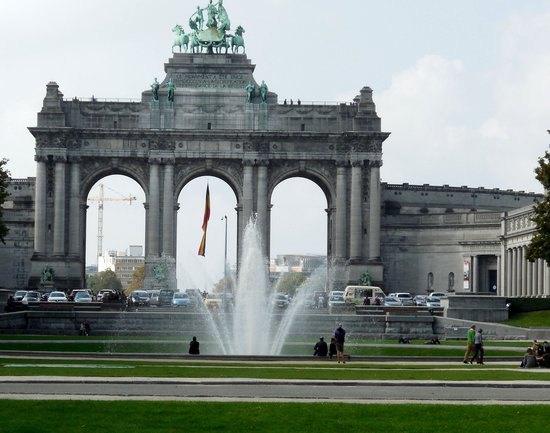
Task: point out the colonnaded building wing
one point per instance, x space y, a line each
210 116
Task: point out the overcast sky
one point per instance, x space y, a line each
463 87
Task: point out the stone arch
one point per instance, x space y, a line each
94 176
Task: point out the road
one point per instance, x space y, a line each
524 392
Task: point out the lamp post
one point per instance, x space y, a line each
225 265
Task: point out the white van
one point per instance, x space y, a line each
357 294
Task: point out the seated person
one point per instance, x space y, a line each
320 348
530 359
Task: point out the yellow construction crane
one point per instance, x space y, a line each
100 200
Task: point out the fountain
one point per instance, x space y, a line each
253 325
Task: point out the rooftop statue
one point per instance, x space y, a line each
263 92
237 40
249 91
155 88
212 33
171 89
181 40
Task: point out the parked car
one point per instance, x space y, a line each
405 298
57 297
104 295
336 298
392 301
31 296
280 300
19 295
420 300
181 300
439 294
213 301
154 297
139 298
82 297
165 297
76 292
433 301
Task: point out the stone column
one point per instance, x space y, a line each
40 205
168 210
59 207
341 214
475 271
546 279
534 280
356 206
523 272
508 266
541 264
500 277
153 210
375 205
248 193
515 272
74 211
529 278
262 202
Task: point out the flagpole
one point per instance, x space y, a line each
225 264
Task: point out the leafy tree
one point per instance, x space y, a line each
103 280
4 181
539 248
288 283
137 280
218 287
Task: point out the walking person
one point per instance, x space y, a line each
470 338
340 336
478 348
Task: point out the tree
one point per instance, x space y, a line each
539 248
103 281
4 194
288 283
138 277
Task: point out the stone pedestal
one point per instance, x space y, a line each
155 115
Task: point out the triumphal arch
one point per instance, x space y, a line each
209 116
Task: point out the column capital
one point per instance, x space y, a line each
357 163
154 160
169 161
60 158
40 158
374 163
340 164
248 162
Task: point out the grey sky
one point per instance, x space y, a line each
463 87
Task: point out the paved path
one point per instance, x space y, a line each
85 388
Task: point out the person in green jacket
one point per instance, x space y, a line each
470 338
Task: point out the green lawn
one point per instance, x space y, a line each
168 417
319 370
529 320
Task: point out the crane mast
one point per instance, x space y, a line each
101 199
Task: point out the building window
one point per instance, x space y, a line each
451 287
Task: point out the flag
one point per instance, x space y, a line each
202 247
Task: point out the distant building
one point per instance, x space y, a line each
122 263
16 252
305 263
